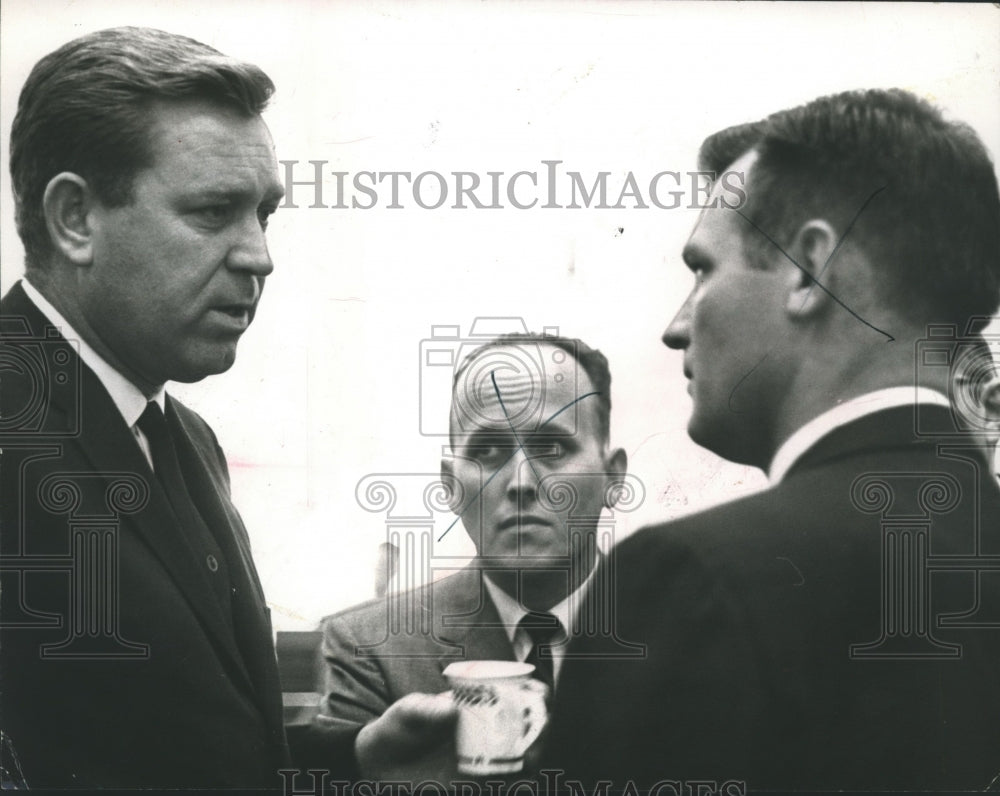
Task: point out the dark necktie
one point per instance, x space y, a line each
544 630
166 466
168 472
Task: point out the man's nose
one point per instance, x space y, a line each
678 333
522 475
249 251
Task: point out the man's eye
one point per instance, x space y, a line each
548 447
484 452
264 215
213 215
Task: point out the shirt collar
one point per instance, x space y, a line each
129 399
858 407
512 612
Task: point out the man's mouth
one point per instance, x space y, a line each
238 311
235 310
520 521
232 317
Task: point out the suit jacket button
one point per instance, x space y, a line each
213 564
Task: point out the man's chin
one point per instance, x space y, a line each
722 440
703 433
195 369
527 561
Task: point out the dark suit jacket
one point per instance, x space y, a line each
119 666
799 638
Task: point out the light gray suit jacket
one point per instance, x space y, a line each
381 650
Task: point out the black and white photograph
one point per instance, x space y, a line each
621 414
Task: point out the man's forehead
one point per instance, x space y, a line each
205 131
718 209
521 386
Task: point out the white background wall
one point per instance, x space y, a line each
326 386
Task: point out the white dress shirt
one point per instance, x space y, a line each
129 399
512 612
869 403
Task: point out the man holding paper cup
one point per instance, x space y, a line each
530 473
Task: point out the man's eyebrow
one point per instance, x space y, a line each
572 403
484 435
558 427
236 193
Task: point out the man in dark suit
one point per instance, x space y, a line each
530 473
840 630
136 643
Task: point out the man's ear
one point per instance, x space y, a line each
67 203
617 466
814 251
452 484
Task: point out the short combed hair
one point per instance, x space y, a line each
931 217
593 362
85 108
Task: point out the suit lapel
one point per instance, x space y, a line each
464 614
209 491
